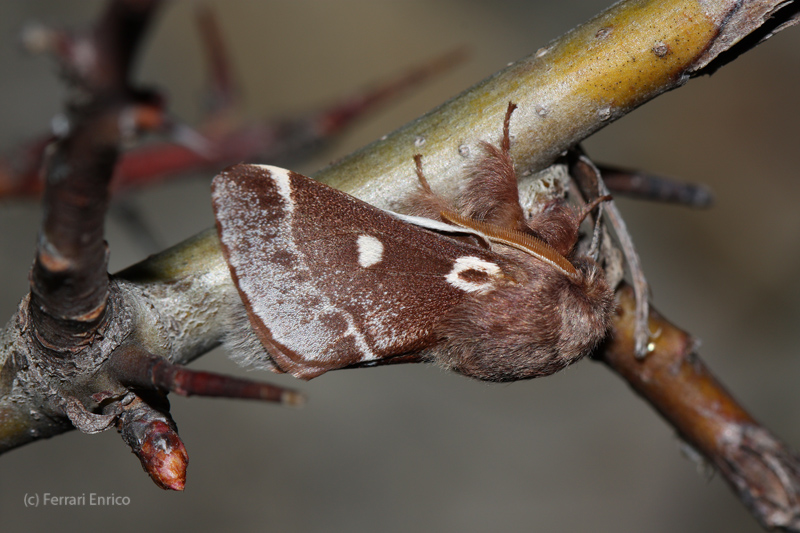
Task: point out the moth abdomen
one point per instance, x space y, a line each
528 330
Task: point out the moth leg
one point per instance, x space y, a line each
424 202
594 249
588 208
492 195
582 165
423 182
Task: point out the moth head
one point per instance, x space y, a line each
558 224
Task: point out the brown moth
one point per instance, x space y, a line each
330 282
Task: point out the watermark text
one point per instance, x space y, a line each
91 499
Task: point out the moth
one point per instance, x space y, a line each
331 282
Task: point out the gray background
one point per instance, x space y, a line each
414 448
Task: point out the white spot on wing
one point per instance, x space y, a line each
292 302
466 263
283 183
370 251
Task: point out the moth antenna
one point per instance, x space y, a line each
506 144
516 239
136 367
420 175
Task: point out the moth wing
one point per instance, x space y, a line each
330 281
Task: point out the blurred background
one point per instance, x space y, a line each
414 448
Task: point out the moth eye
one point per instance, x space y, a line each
370 250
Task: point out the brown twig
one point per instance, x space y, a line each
224 142
70 294
134 367
762 471
223 88
76 329
645 186
69 280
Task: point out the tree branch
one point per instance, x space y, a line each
565 91
760 469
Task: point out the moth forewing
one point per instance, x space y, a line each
331 282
